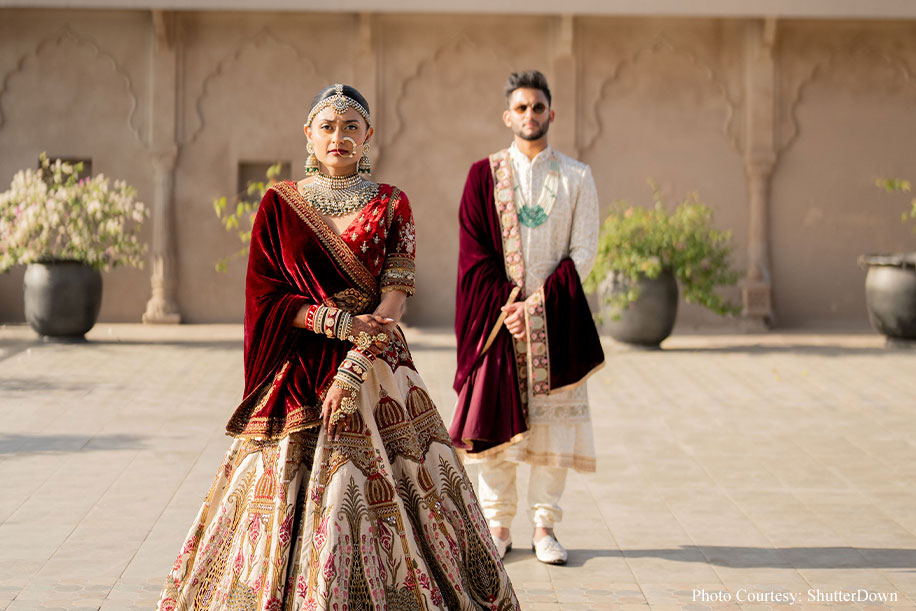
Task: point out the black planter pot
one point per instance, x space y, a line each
62 298
890 294
651 318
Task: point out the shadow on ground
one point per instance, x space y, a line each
11 347
19 444
800 349
759 557
25 385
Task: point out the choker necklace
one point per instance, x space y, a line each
339 195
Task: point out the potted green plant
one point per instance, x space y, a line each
645 253
67 229
241 218
890 282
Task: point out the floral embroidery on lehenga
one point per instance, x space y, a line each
383 517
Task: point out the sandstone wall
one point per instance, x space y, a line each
813 109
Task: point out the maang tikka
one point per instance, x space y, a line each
364 166
311 164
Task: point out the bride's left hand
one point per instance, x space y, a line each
331 404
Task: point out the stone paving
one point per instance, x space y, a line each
733 470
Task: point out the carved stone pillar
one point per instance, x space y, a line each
564 87
366 75
759 160
163 305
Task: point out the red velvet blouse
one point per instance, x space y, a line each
296 259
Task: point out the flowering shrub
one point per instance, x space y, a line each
51 214
638 241
241 218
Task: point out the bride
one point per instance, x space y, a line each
341 489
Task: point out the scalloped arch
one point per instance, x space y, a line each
658 45
455 46
259 39
68 35
821 68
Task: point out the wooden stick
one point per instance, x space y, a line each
499 322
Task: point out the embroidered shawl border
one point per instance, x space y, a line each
538 352
506 211
331 241
245 426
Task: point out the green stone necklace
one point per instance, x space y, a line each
532 216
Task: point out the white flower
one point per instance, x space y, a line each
87 219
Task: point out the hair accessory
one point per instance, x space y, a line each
339 102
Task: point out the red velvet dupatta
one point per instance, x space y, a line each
295 259
563 347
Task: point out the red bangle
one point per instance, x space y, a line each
310 317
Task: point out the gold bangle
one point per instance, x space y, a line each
345 384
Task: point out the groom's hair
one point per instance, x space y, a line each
529 79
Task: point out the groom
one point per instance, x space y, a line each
526 339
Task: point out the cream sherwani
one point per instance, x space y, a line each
560 431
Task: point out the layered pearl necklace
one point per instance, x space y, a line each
339 195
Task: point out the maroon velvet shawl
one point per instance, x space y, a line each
295 259
492 400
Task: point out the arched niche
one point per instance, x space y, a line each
448 115
662 113
250 108
854 117
72 98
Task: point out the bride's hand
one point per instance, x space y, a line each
372 325
332 400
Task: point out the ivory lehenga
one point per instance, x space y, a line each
382 518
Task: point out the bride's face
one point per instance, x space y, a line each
338 140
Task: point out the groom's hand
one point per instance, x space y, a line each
515 320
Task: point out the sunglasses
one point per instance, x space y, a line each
537 109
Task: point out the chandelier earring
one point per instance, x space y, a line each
364 166
311 164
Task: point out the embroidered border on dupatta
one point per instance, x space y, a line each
331 241
506 210
243 425
539 354
508 217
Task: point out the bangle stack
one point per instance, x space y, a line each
331 322
354 369
350 377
